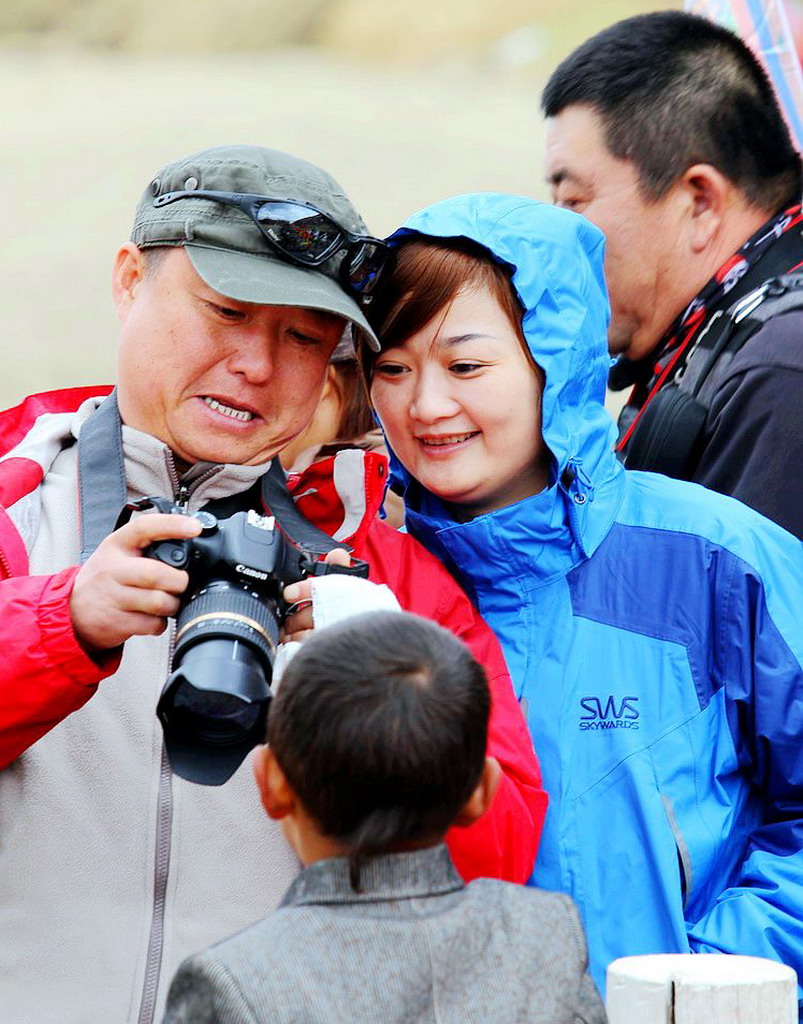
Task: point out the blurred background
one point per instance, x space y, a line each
404 101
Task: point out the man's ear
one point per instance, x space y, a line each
708 193
274 790
127 274
482 797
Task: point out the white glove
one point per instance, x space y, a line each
334 598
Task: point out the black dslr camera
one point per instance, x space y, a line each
214 705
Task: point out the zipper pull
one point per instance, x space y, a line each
182 498
578 488
577 483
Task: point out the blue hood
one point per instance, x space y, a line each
556 258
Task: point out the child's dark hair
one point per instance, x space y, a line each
380 727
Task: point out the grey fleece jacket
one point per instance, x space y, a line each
112 870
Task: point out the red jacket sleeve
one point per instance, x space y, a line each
45 674
504 842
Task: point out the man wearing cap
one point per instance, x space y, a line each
244 267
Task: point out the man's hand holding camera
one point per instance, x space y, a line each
299 625
118 593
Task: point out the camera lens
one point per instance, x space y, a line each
214 706
212 717
228 610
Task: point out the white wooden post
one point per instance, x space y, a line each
700 989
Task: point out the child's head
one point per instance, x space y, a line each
379 732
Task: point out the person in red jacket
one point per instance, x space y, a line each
243 269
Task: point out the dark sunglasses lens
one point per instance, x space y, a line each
302 234
366 266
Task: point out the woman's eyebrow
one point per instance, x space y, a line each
458 339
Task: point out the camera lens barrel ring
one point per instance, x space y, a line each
226 616
230 611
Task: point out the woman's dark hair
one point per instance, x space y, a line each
427 275
380 727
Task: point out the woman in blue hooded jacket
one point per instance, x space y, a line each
651 627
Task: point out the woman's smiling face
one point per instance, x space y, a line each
460 404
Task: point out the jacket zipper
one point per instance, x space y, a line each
683 852
164 828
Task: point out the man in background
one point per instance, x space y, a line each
665 132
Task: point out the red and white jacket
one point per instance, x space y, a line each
47 680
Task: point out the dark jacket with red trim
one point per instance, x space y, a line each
85 791
752 445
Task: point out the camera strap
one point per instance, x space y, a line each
103 492
301 533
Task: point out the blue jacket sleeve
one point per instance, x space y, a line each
759 656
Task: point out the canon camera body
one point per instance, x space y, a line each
214 705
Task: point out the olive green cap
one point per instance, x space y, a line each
227 249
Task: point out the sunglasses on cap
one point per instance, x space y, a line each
305 236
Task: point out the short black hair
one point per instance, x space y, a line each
380 727
154 256
674 89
